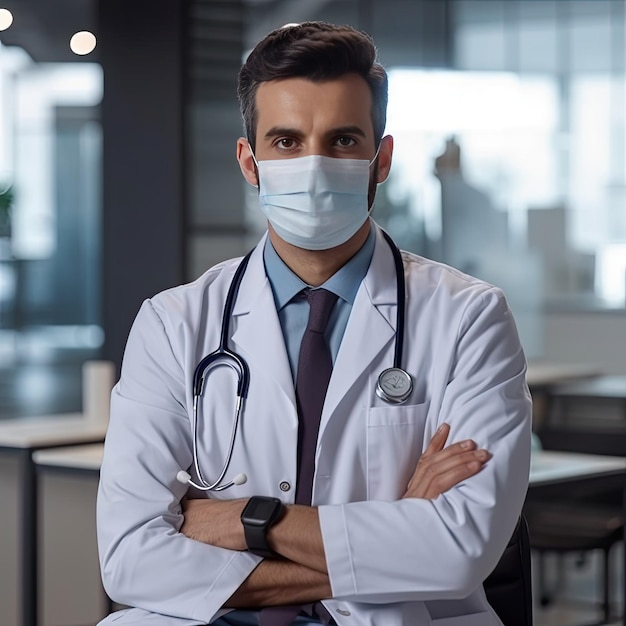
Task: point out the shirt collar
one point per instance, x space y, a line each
345 282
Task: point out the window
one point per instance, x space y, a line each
50 236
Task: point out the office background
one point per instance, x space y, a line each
118 175
122 178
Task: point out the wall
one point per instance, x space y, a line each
143 190
597 338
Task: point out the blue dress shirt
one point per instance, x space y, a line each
293 308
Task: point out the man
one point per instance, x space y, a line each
361 504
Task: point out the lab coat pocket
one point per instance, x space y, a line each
394 443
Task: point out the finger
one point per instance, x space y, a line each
435 446
445 464
439 478
426 460
453 450
438 440
430 470
453 476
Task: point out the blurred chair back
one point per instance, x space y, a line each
509 586
576 526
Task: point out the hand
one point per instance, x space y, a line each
440 468
216 522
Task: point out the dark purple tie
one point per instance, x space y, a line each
315 366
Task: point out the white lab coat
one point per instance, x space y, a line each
391 562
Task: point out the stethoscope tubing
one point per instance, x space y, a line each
222 350
223 356
401 300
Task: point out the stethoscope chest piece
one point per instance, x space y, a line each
394 385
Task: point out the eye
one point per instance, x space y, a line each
286 143
346 142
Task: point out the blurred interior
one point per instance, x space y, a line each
510 164
118 175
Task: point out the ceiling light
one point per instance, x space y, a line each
6 19
83 42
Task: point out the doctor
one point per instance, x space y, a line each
412 502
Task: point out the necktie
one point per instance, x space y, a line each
314 369
313 374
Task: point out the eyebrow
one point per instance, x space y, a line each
279 131
348 130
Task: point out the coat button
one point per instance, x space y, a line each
284 486
343 612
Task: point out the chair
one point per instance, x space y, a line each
509 587
575 527
577 521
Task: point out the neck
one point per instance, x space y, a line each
315 267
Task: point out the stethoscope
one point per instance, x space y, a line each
394 384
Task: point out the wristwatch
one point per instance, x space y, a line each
257 516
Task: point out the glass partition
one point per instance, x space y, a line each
50 234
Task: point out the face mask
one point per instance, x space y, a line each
315 202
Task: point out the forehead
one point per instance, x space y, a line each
302 103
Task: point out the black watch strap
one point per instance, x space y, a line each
258 515
257 541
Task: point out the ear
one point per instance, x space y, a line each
246 162
384 158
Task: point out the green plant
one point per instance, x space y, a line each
6 202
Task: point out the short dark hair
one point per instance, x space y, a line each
317 51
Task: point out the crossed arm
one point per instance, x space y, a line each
301 574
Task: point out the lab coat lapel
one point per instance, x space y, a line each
258 335
371 326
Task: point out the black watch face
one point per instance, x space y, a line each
259 510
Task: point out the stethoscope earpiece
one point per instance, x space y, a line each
185 478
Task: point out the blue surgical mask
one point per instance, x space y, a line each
315 202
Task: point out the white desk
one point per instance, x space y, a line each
547 467
550 468
544 375
22 438
50 431
86 458
70 461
